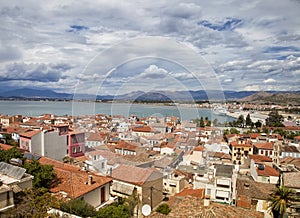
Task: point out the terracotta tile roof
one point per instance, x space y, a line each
220 155
71 180
199 148
235 144
254 135
96 137
267 171
142 129
30 133
260 158
250 189
297 137
134 175
125 146
189 206
198 193
263 145
5 146
104 153
291 179
290 149
286 160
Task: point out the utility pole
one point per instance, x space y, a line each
151 189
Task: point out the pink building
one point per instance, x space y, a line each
55 143
76 144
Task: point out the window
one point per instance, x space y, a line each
73 150
208 191
102 165
261 152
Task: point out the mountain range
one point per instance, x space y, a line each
200 95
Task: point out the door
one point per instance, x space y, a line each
102 192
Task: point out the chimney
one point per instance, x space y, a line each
90 180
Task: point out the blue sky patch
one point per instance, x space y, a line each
77 28
228 25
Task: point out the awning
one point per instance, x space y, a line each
122 188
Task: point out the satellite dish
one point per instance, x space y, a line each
146 210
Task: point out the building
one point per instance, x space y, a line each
239 151
290 151
125 148
173 183
146 183
219 183
253 195
13 179
262 172
292 181
143 130
194 157
77 183
55 143
96 139
263 148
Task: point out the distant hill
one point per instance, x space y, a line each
33 93
274 97
200 95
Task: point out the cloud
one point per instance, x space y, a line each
153 72
270 80
247 43
34 72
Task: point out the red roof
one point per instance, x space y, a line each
126 146
260 158
142 129
264 145
134 175
199 148
30 133
5 146
254 135
235 144
267 171
71 180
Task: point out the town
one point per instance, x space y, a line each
116 166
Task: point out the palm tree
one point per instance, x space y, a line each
281 198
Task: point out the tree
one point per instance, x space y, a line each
131 202
274 119
78 207
43 174
114 210
199 122
281 199
258 124
225 132
234 131
34 203
215 122
241 121
6 155
248 120
164 209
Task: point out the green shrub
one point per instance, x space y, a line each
164 209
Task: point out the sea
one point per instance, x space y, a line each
77 108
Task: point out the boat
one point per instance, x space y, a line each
220 110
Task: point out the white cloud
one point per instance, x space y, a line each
249 43
270 80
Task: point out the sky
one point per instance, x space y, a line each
110 47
